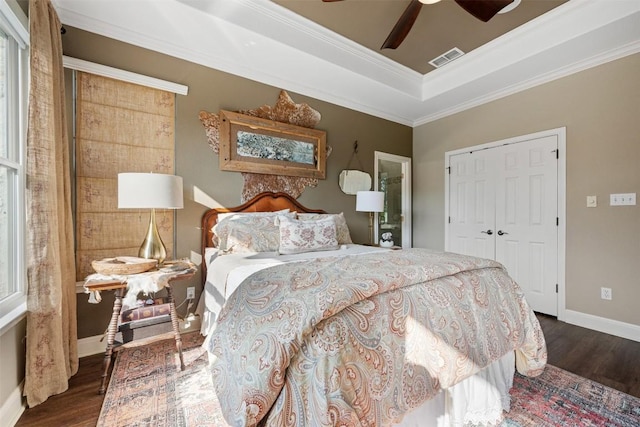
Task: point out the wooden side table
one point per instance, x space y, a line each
120 288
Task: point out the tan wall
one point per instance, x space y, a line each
213 90
600 108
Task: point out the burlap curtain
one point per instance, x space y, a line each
52 355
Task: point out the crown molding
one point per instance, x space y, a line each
262 41
287 27
630 49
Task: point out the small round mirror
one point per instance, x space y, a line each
352 181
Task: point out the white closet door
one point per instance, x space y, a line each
503 205
472 204
526 215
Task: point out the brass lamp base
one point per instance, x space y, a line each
153 247
371 228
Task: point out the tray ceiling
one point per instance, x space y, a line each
329 51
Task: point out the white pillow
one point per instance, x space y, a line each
307 236
235 215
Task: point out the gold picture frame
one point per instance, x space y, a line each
252 144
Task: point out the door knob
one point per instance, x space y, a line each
500 232
489 232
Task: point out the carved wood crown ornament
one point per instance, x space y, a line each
285 111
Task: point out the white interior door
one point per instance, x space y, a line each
472 204
526 218
503 205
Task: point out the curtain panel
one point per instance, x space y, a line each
51 353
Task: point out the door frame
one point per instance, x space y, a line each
561 136
407 229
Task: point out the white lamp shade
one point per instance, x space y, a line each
370 201
149 191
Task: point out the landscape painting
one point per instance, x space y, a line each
252 144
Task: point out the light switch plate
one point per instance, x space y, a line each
622 199
592 201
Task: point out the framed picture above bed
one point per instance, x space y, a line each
252 144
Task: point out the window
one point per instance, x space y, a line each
13 96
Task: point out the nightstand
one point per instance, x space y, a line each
159 278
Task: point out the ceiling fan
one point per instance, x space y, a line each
484 10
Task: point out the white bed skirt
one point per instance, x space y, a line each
478 400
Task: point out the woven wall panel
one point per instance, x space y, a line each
120 127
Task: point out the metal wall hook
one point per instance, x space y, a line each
355 154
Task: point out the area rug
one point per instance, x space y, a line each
560 398
147 388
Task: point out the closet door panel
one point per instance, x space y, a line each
526 211
472 205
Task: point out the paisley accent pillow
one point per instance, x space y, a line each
307 236
342 230
249 232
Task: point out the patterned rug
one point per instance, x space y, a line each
147 388
560 398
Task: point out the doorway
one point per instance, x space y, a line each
505 201
393 177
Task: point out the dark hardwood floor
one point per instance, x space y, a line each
607 359
610 360
78 406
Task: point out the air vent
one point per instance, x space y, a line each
446 57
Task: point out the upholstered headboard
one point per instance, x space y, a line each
263 202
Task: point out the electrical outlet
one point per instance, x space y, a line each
191 292
605 293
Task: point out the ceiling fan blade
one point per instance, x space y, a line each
483 9
403 26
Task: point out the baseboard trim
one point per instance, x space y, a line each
602 324
13 407
92 345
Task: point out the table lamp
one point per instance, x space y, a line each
370 201
150 191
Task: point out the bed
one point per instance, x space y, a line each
305 328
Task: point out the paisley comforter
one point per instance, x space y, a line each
361 340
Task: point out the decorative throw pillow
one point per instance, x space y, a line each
254 232
342 230
307 236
